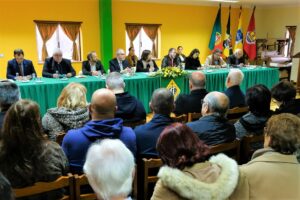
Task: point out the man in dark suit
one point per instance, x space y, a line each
162 104
57 65
213 128
170 60
234 92
237 58
189 103
19 66
92 65
119 64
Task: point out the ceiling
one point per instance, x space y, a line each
259 3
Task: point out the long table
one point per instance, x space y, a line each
140 85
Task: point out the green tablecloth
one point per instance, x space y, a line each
141 85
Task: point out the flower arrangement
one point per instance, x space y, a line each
172 72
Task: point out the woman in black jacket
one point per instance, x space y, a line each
192 61
146 64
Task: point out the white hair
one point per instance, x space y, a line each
114 81
109 167
120 51
57 51
235 76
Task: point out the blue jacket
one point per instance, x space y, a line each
147 134
77 141
115 67
213 130
13 68
236 96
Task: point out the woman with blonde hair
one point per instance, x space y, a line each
71 111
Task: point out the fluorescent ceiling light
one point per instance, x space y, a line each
226 1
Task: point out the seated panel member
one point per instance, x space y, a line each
146 64
215 59
180 54
19 65
237 58
57 63
131 57
192 61
119 64
92 65
170 60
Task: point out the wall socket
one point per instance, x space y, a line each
1 55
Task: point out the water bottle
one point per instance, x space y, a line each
33 76
57 73
99 74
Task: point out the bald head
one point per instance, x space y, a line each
216 103
162 101
238 53
197 80
103 104
235 77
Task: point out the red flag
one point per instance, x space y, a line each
250 40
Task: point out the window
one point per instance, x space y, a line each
63 35
290 36
142 37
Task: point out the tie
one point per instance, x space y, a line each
121 65
21 69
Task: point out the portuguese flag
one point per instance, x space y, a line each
216 35
227 39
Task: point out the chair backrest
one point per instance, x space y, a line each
234 114
81 180
247 144
193 116
134 124
42 187
59 137
232 149
180 118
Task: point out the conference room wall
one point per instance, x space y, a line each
18 29
271 22
186 25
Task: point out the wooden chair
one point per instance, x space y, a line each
247 146
42 187
60 137
134 124
180 118
81 180
232 149
234 114
193 116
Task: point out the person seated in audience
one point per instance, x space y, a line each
119 64
258 99
71 111
180 54
92 66
284 94
146 63
190 103
19 68
6 192
103 125
273 172
56 66
213 128
110 168
215 59
131 57
187 174
192 61
161 104
9 94
234 93
26 156
170 60
129 108
237 58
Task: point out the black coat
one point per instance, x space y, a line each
167 62
64 67
189 103
140 66
13 68
192 63
292 107
232 60
115 67
236 96
86 67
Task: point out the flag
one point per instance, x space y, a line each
250 40
227 39
216 35
239 34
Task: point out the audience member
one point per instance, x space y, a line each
258 99
170 60
237 58
213 127
19 68
131 57
109 167
57 65
284 93
215 59
192 61
273 172
92 66
146 63
103 125
119 64
180 54
71 111
234 92
192 102
129 108
161 104
26 156
6 192
187 174
9 94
